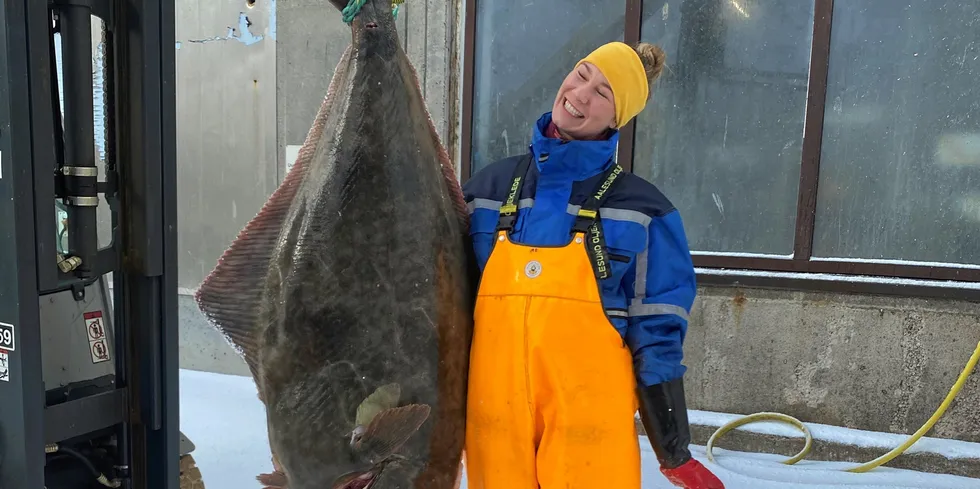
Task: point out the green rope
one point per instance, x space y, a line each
351 10
354 7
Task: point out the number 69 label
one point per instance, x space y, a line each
7 337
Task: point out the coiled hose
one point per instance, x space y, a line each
866 467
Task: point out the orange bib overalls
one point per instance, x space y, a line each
551 399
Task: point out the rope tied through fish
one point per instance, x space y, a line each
354 7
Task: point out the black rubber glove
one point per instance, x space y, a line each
663 411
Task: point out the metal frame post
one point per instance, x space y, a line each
21 385
146 135
145 131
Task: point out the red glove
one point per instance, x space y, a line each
692 475
663 412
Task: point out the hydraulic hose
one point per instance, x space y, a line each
99 476
866 467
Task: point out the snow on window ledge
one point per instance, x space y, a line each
836 278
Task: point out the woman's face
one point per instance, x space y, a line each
584 107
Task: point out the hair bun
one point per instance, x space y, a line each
653 58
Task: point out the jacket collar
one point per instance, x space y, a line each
573 160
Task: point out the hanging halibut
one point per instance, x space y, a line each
350 295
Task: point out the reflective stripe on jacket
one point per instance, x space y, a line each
652 286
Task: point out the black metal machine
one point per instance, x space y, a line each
88 383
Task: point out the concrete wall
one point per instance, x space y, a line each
868 362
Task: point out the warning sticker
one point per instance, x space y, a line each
100 352
93 323
98 348
7 337
4 367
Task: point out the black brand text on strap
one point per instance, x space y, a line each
587 221
508 210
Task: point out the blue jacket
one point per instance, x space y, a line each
651 289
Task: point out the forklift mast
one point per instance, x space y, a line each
88 385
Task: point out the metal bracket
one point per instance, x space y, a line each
81 201
78 291
80 171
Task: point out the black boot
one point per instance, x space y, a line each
663 412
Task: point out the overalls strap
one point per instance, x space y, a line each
588 222
508 210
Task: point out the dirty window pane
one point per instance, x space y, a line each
524 50
900 168
723 135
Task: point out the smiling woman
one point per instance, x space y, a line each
586 288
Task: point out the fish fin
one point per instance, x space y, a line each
231 294
383 398
353 479
275 480
390 429
452 183
448 169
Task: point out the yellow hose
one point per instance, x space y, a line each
783 418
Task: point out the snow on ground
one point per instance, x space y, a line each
223 417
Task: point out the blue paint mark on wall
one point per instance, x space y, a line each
177 46
272 19
244 36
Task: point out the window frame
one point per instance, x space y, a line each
801 271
